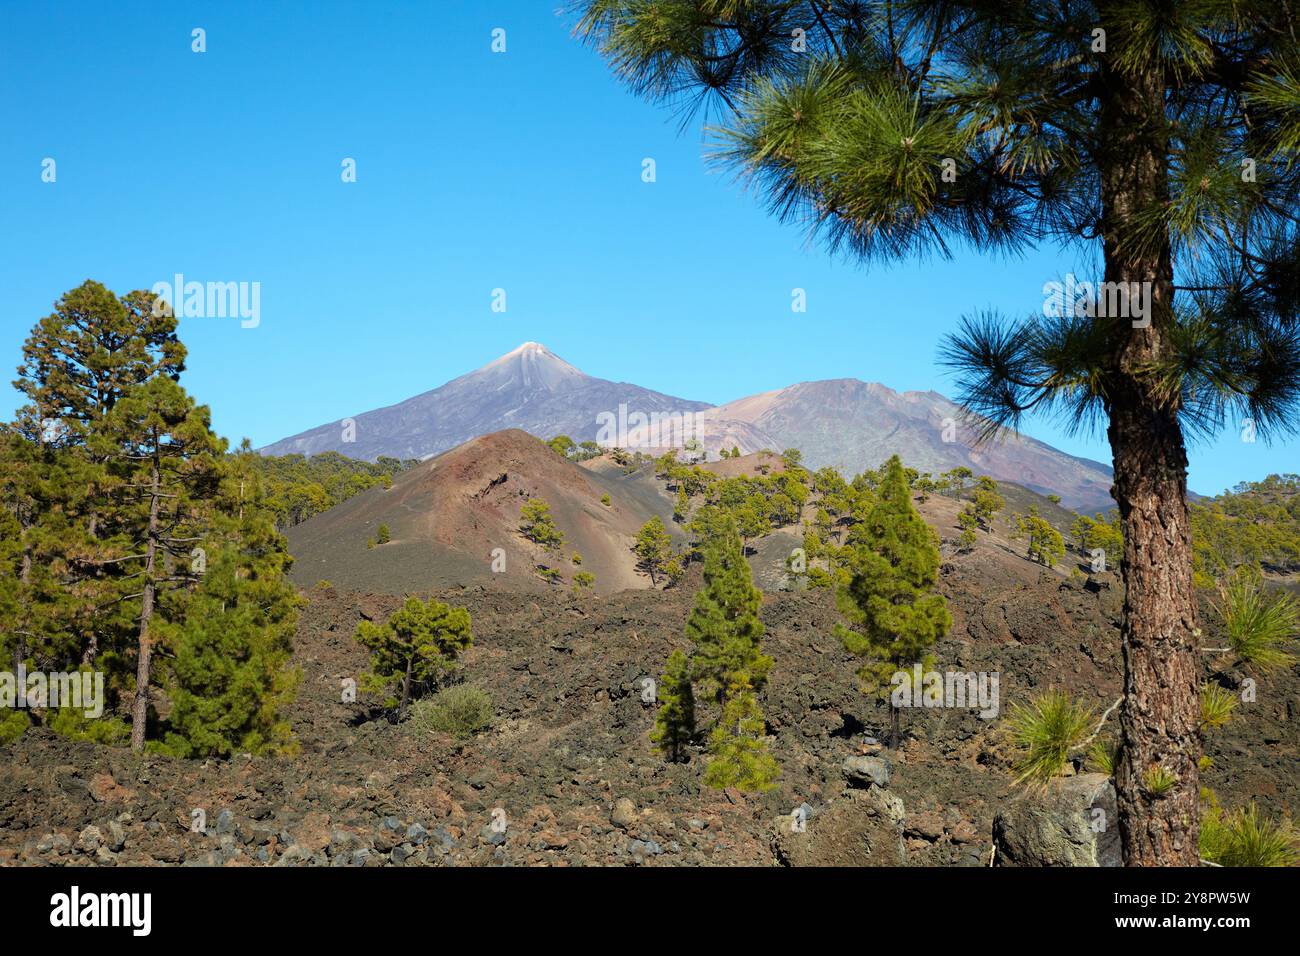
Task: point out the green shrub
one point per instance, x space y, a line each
1159 781
1247 838
13 725
1260 627
75 725
461 710
1217 705
1047 730
1103 755
385 535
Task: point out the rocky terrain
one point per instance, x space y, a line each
566 776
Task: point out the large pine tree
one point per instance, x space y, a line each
1160 138
125 530
162 459
893 613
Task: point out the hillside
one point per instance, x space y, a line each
852 425
448 515
570 743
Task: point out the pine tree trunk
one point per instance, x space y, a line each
406 688
1159 715
140 707
895 721
25 578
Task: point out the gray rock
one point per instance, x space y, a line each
343 843
90 839
1073 822
115 838
416 834
624 813
645 848
863 771
401 853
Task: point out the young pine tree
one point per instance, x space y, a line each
416 645
229 673
675 722
893 614
654 549
1158 138
537 525
727 660
738 754
724 626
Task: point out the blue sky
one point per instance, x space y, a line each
475 171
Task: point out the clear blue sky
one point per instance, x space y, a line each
475 171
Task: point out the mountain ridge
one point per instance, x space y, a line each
847 423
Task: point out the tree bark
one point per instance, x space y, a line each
140 706
406 687
1159 715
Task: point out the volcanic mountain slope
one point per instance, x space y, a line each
850 424
853 426
448 516
530 388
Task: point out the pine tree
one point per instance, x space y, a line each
44 604
91 350
414 647
162 462
1161 138
738 753
675 722
894 616
724 627
537 525
653 548
1045 543
229 673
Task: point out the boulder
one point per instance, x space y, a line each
863 771
624 813
861 828
1072 822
